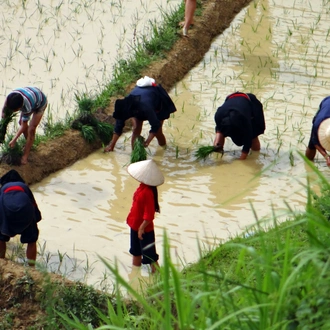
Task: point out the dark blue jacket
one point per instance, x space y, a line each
18 208
154 105
241 118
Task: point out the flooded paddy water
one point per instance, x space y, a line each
274 49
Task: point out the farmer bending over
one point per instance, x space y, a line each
147 101
241 118
19 214
31 102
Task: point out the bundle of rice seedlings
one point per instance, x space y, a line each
88 133
12 156
85 103
4 122
104 131
204 151
139 152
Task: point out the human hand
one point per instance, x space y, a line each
140 233
243 156
12 143
219 148
108 149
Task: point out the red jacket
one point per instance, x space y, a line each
143 208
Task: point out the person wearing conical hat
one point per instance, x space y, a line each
320 134
142 213
19 214
241 118
148 101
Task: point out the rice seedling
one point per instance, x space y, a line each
88 133
104 131
204 151
139 152
12 156
88 124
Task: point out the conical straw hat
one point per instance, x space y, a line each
324 134
147 172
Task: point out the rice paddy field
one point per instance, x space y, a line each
275 49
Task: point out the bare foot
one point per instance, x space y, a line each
181 24
24 160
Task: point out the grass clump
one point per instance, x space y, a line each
139 152
91 128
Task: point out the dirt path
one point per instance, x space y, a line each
64 151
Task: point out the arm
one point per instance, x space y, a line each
118 130
23 129
144 224
219 140
149 139
112 143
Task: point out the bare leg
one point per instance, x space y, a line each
137 261
137 129
154 267
160 136
31 253
255 144
36 118
190 8
310 153
2 249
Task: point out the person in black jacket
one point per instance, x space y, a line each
241 118
320 134
147 101
19 214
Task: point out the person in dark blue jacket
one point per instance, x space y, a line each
241 118
320 134
147 101
19 214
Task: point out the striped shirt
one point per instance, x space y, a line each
33 100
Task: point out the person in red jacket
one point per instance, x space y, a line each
19 214
141 216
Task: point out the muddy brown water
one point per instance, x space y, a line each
275 49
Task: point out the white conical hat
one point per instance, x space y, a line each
147 172
324 134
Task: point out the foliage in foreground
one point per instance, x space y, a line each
274 278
